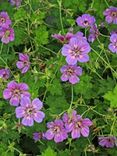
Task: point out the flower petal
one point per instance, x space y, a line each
85 131
7 94
37 104
19 112
39 116
27 121
49 134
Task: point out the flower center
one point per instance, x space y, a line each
17 92
56 129
86 23
70 72
78 124
114 14
2 20
7 33
26 63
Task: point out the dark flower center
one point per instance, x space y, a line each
30 110
26 63
86 23
2 20
17 92
56 129
114 14
70 71
78 124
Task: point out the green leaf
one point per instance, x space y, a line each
49 152
57 104
41 35
55 88
20 14
112 97
84 87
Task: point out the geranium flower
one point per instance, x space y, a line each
23 63
5 21
85 20
76 51
63 38
70 73
56 131
7 35
94 33
17 3
4 73
30 111
77 125
111 15
113 45
108 142
15 92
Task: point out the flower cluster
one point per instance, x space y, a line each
76 50
6 32
108 142
17 3
70 123
23 64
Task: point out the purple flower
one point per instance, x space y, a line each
15 92
7 35
113 32
30 111
5 21
24 63
63 38
71 73
113 45
108 142
76 50
80 36
38 136
77 126
17 3
111 15
56 131
94 33
85 20
4 73
69 120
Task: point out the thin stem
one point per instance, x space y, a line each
60 15
104 61
1 48
106 3
72 96
48 49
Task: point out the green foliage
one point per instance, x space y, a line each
41 35
84 87
49 152
111 96
94 97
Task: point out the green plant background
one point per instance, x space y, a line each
95 96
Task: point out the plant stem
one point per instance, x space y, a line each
60 15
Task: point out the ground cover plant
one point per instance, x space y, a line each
58 71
